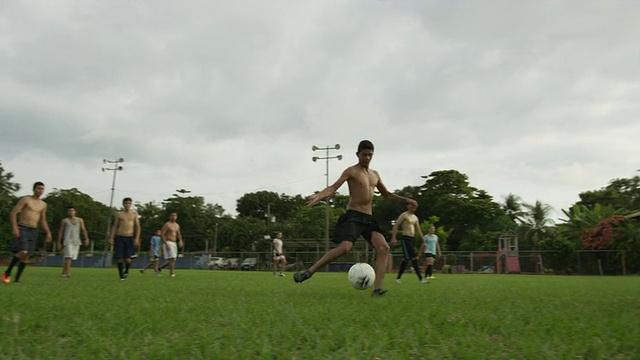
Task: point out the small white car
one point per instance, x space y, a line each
217 262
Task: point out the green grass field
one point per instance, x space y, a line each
252 315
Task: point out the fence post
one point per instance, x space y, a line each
600 266
624 265
579 264
541 264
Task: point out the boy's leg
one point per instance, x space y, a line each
416 267
403 266
21 266
120 269
14 261
67 265
127 266
382 251
342 249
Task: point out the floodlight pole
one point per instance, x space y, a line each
327 200
116 167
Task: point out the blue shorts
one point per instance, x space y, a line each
26 241
123 247
354 223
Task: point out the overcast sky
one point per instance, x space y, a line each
535 98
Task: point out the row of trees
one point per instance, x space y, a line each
467 218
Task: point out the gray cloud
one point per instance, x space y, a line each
533 98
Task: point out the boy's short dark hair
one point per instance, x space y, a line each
126 199
365 145
71 207
36 184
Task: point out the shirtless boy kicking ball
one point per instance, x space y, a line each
358 219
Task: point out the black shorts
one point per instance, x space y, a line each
354 223
429 255
26 241
408 247
123 247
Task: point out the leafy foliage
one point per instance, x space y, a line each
472 215
619 194
605 234
536 221
8 189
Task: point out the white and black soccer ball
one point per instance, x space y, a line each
362 276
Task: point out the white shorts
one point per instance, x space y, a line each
71 251
170 250
278 257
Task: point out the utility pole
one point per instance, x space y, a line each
328 199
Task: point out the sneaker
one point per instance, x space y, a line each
6 278
431 277
124 276
172 275
423 281
133 256
399 281
122 279
301 276
378 292
158 273
281 274
65 275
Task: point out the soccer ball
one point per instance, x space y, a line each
362 276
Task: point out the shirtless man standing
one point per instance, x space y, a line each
122 237
170 235
32 211
410 226
358 219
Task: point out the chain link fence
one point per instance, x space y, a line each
584 262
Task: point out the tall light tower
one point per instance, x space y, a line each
115 167
327 200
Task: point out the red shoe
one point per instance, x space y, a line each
5 279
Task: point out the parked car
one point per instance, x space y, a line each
249 264
232 264
217 262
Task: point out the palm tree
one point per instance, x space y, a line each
513 207
537 220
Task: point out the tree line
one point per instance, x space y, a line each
466 218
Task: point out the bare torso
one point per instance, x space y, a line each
362 183
409 224
170 231
31 212
126 222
